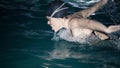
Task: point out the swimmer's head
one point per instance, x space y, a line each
57 9
55 12
56 23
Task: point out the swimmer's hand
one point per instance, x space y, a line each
101 36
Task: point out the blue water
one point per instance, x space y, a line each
26 40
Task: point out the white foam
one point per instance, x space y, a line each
66 35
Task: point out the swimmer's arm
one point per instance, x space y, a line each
74 28
87 12
100 35
74 32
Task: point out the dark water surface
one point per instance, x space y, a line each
26 40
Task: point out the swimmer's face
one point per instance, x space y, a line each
55 23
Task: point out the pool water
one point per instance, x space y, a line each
26 40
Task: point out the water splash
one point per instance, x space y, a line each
82 3
66 35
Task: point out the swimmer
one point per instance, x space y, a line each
79 24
